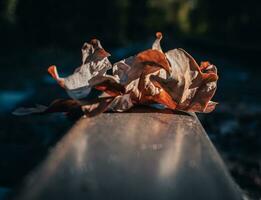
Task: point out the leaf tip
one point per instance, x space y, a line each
159 35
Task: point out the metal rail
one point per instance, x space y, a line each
138 155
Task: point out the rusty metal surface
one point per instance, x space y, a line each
132 156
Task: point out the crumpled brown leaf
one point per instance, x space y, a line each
173 79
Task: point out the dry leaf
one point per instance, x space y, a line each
173 79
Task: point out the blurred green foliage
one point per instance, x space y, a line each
65 23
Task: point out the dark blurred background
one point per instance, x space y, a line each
36 34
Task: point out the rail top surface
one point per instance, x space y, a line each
137 155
